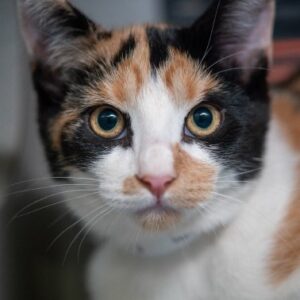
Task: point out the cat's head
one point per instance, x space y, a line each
168 122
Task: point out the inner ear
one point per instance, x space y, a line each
237 36
51 28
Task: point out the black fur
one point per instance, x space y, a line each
74 23
159 41
239 143
125 52
85 147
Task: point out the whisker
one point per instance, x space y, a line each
71 226
237 69
56 203
88 230
224 58
39 179
42 200
99 215
211 32
58 219
50 187
244 172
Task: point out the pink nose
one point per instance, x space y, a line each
157 185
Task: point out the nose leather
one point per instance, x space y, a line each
157 185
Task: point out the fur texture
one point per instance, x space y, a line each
223 221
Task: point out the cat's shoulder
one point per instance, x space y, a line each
286 255
286 110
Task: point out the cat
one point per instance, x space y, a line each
195 168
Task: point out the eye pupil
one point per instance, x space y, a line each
203 117
108 119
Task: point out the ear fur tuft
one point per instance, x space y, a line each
241 31
51 26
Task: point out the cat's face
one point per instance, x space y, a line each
169 123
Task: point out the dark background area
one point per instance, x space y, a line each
287 19
28 270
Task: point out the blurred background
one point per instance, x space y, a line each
28 271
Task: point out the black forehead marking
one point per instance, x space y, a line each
159 41
126 50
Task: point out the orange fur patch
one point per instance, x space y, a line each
195 180
185 79
285 258
286 109
194 183
131 186
121 87
57 126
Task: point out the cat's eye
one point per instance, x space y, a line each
107 122
203 121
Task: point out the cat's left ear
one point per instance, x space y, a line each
54 30
238 34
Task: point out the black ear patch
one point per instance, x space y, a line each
73 22
51 25
235 36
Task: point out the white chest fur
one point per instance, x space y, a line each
234 266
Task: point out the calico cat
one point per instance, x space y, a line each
196 170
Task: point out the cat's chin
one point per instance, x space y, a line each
157 218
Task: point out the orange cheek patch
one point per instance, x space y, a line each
195 180
184 79
131 186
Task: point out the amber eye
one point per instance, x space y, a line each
203 120
107 122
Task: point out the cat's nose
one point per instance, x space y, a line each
157 185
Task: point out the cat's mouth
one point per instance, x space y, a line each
158 217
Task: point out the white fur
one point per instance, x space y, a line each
228 265
219 251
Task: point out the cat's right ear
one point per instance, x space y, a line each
54 29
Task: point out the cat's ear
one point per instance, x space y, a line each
240 32
53 28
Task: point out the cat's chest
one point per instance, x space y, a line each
121 277
217 273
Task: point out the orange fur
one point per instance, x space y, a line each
286 108
123 85
285 257
195 180
57 126
184 79
131 186
193 184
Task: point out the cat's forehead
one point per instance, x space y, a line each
124 61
